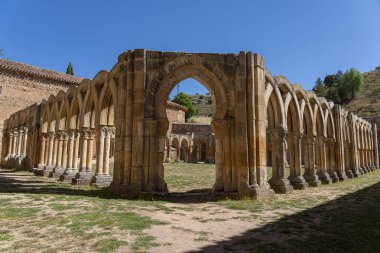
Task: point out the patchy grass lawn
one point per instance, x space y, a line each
43 215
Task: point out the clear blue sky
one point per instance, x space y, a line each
299 39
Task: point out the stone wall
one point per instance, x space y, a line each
23 85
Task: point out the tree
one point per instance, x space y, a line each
70 70
340 87
183 99
350 85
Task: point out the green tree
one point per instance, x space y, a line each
340 87
350 85
183 99
70 70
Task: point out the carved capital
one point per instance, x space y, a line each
62 135
294 136
278 134
309 139
51 135
88 133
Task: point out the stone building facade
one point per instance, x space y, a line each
322 142
23 85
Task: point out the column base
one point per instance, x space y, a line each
68 175
364 170
356 172
280 185
325 178
101 180
361 171
313 180
334 176
82 178
298 182
342 176
57 172
350 174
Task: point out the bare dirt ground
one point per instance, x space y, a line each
42 215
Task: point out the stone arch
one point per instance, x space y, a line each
210 76
184 150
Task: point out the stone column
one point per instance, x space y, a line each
100 150
218 128
68 174
25 141
61 155
84 176
278 182
331 170
321 160
55 151
14 142
19 142
102 177
294 144
76 151
310 175
10 143
375 145
49 165
64 155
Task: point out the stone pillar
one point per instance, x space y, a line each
102 177
321 160
310 175
25 141
375 145
60 167
84 176
294 143
330 143
10 143
278 182
19 142
100 150
14 142
72 158
218 128
49 165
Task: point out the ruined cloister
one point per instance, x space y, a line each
259 120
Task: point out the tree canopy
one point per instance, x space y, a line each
183 99
340 87
70 70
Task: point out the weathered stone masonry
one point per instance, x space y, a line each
321 141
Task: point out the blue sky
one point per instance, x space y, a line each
299 39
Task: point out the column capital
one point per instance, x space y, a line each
320 140
294 136
26 129
278 133
88 133
309 138
51 135
62 134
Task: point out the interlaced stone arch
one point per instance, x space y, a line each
128 105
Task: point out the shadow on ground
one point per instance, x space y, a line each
350 223
13 183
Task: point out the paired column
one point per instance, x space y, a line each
102 177
85 173
331 166
279 183
309 158
72 151
321 160
10 143
61 158
294 146
19 141
25 141
43 144
375 145
51 137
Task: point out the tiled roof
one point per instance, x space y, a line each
39 72
176 106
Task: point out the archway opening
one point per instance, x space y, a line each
190 146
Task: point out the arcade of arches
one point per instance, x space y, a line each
258 121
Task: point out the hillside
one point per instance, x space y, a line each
367 102
203 104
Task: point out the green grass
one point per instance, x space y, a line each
108 245
185 177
